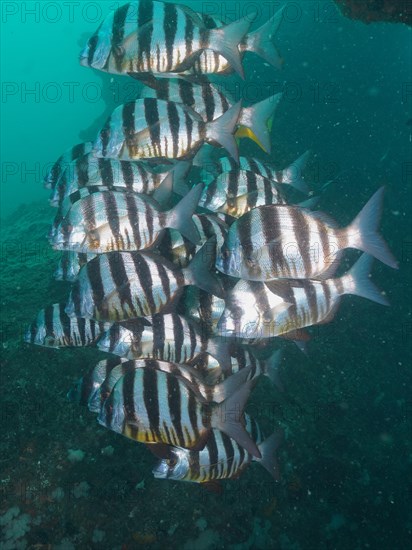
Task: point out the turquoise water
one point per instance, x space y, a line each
346 410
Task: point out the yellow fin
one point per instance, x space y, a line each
243 132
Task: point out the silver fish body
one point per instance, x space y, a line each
271 242
153 406
257 310
152 128
125 285
114 220
53 328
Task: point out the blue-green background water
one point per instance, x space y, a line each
346 462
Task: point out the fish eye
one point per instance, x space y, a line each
172 461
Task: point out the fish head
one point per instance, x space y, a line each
175 467
98 48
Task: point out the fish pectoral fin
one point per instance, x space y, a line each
131 40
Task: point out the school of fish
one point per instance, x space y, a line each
187 260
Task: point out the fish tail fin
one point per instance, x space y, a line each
200 271
225 41
309 204
179 173
219 348
268 449
357 281
228 418
231 385
256 119
222 129
260 41
163 193
363 234
292 175
271 367
180 217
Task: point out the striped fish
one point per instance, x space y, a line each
291 175
152 128
108 221
256 310
152 406
156 37
170 337
210 102
70 264
238 191
54 329
179 250
221 458
94 388
259 41
125 285
89 171
72 154
290 242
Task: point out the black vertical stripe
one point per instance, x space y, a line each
146 282
268 185
151 399
92 43
82 326
269 219
164 279
127 174
186 92
112 216
209 101
327 294
93 270
82 170
151 113
120 280
312 304
213 455
174 401
128 395
302 231
48 320
174 122
232 184
134 219
170 28
189 27
189 130
178 333
145 16
106 171
119 19
158 336
193 416
128 124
